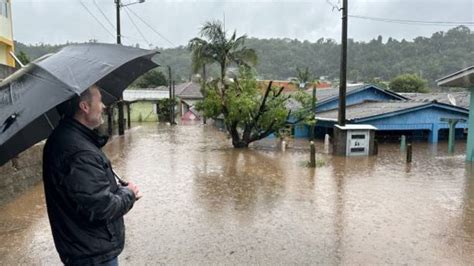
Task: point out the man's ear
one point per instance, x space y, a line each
84 106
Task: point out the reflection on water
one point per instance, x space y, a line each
205 202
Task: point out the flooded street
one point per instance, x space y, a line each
207 203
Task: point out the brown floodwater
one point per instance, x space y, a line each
207 203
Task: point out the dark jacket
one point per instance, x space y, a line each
85 204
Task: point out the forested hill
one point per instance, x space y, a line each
432 58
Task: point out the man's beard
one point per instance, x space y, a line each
99 122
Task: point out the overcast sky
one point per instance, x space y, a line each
58 21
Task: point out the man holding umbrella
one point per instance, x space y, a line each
85 204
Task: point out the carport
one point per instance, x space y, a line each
464 79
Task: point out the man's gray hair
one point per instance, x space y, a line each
72 106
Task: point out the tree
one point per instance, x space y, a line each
217 48
408 83
163 109
151 79
23 57
248 114
303 77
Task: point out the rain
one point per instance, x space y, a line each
208 203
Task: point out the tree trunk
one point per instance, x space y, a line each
240 145
237 142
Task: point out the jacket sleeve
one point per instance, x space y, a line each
89 187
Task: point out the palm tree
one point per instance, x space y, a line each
215 47
303 76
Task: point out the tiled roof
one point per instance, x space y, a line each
189 90
291 86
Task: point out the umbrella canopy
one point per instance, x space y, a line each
29 98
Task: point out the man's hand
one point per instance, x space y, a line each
135 190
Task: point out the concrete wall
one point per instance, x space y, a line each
5 71
6 21
21 173
6 34
145 110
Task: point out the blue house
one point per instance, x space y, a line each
418 115
329 98
421 119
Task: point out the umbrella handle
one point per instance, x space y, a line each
125 183
120 180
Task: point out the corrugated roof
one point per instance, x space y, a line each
159 88
324 94
463 78
189 90
143 94
368 109
462 99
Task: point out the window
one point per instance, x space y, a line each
4 8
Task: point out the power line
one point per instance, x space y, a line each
415 22
135 25
155 31
98 21
103 14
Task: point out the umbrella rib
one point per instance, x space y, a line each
49 121
71 89
108 93
11 93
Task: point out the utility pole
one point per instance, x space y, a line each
343 72
117 5
313 112
120 101
171 107
173 122
340 133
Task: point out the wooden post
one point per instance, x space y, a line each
313 113
403 143
171 95
376 147
452 134
121 125
129 123
312 158
173 122
409 153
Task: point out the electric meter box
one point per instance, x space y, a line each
359 139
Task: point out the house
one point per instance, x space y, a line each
7 62
291 86
419 116
189 94
143 103
464 78
420 119
329 98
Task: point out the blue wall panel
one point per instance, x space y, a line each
422 119
427 119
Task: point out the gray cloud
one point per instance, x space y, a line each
58 21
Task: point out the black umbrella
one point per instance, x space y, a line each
29 98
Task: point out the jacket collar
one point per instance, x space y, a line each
91 135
